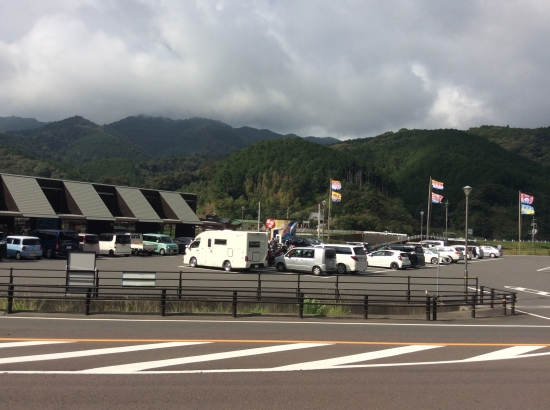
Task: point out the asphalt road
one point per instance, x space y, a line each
198 362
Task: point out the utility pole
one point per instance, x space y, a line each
446 216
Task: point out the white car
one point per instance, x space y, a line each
450 252
491 251
460 248
388 258
430 255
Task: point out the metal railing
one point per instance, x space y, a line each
357 294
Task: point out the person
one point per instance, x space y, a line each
474 252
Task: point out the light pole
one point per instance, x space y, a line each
467 189
323 232
242 217
421 224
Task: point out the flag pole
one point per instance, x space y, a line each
329 201
519 222
429 206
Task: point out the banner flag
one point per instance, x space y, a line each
335 185
526 199
437 199
437 184
336 197
527 210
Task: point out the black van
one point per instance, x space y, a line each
57 242
3 246
416 253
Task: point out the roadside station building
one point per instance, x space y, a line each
28 203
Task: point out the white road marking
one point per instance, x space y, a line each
540 270
94 352
136 367
31 343
361 357
508 353
534 291
532 314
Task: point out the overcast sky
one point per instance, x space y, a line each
337 68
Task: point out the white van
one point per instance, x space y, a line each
114 244
349 258
228 250
317 260
88 243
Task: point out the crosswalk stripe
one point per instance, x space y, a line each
508 353
136 367
32 343
94 352
361 357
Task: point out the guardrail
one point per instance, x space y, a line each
356 294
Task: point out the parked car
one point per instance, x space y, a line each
137 245
115 244
349 258
388 258
491 251
450 252
165 244
430 255
415 251
301 241
88 243
477 252
317 260
461 249
3 250
365 245
19 247
57 242
183 242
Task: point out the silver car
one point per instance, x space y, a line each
315 260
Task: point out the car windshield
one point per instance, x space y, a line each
69 236
123 239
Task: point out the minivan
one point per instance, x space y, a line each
164 243
316 260
88 243
349 258
57 242
416 253
115 244
24 247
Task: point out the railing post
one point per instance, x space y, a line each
10 298
492 300
180 283
87 305
477 284
481 292
428 304
259 286
434 308
366 307
513 304
301 306
408 289
96 292
473 307
11 276
163 302
337 290
504 305
234 304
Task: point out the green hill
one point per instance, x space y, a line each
17 123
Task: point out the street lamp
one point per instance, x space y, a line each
467 189
242 216
421 224
323 232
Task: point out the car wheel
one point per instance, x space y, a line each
193 262
227 266
341 268
394 266
493 255
111 253
127 255
281 267
317 270
49 254
17 255
38 258
434 261
162 252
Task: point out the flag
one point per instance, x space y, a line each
437 199
526 199
289 231
336 197
527 210
335 185
437 184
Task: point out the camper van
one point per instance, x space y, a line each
114 244
88 243
228 250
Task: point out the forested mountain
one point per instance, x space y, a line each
17 123
385 179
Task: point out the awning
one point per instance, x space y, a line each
137 204
87 201
25 194
177 208
71 216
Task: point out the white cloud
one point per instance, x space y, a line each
310 67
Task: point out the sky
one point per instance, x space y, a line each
338 68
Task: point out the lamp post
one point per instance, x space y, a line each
242 217
421 224
323 232
467 189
